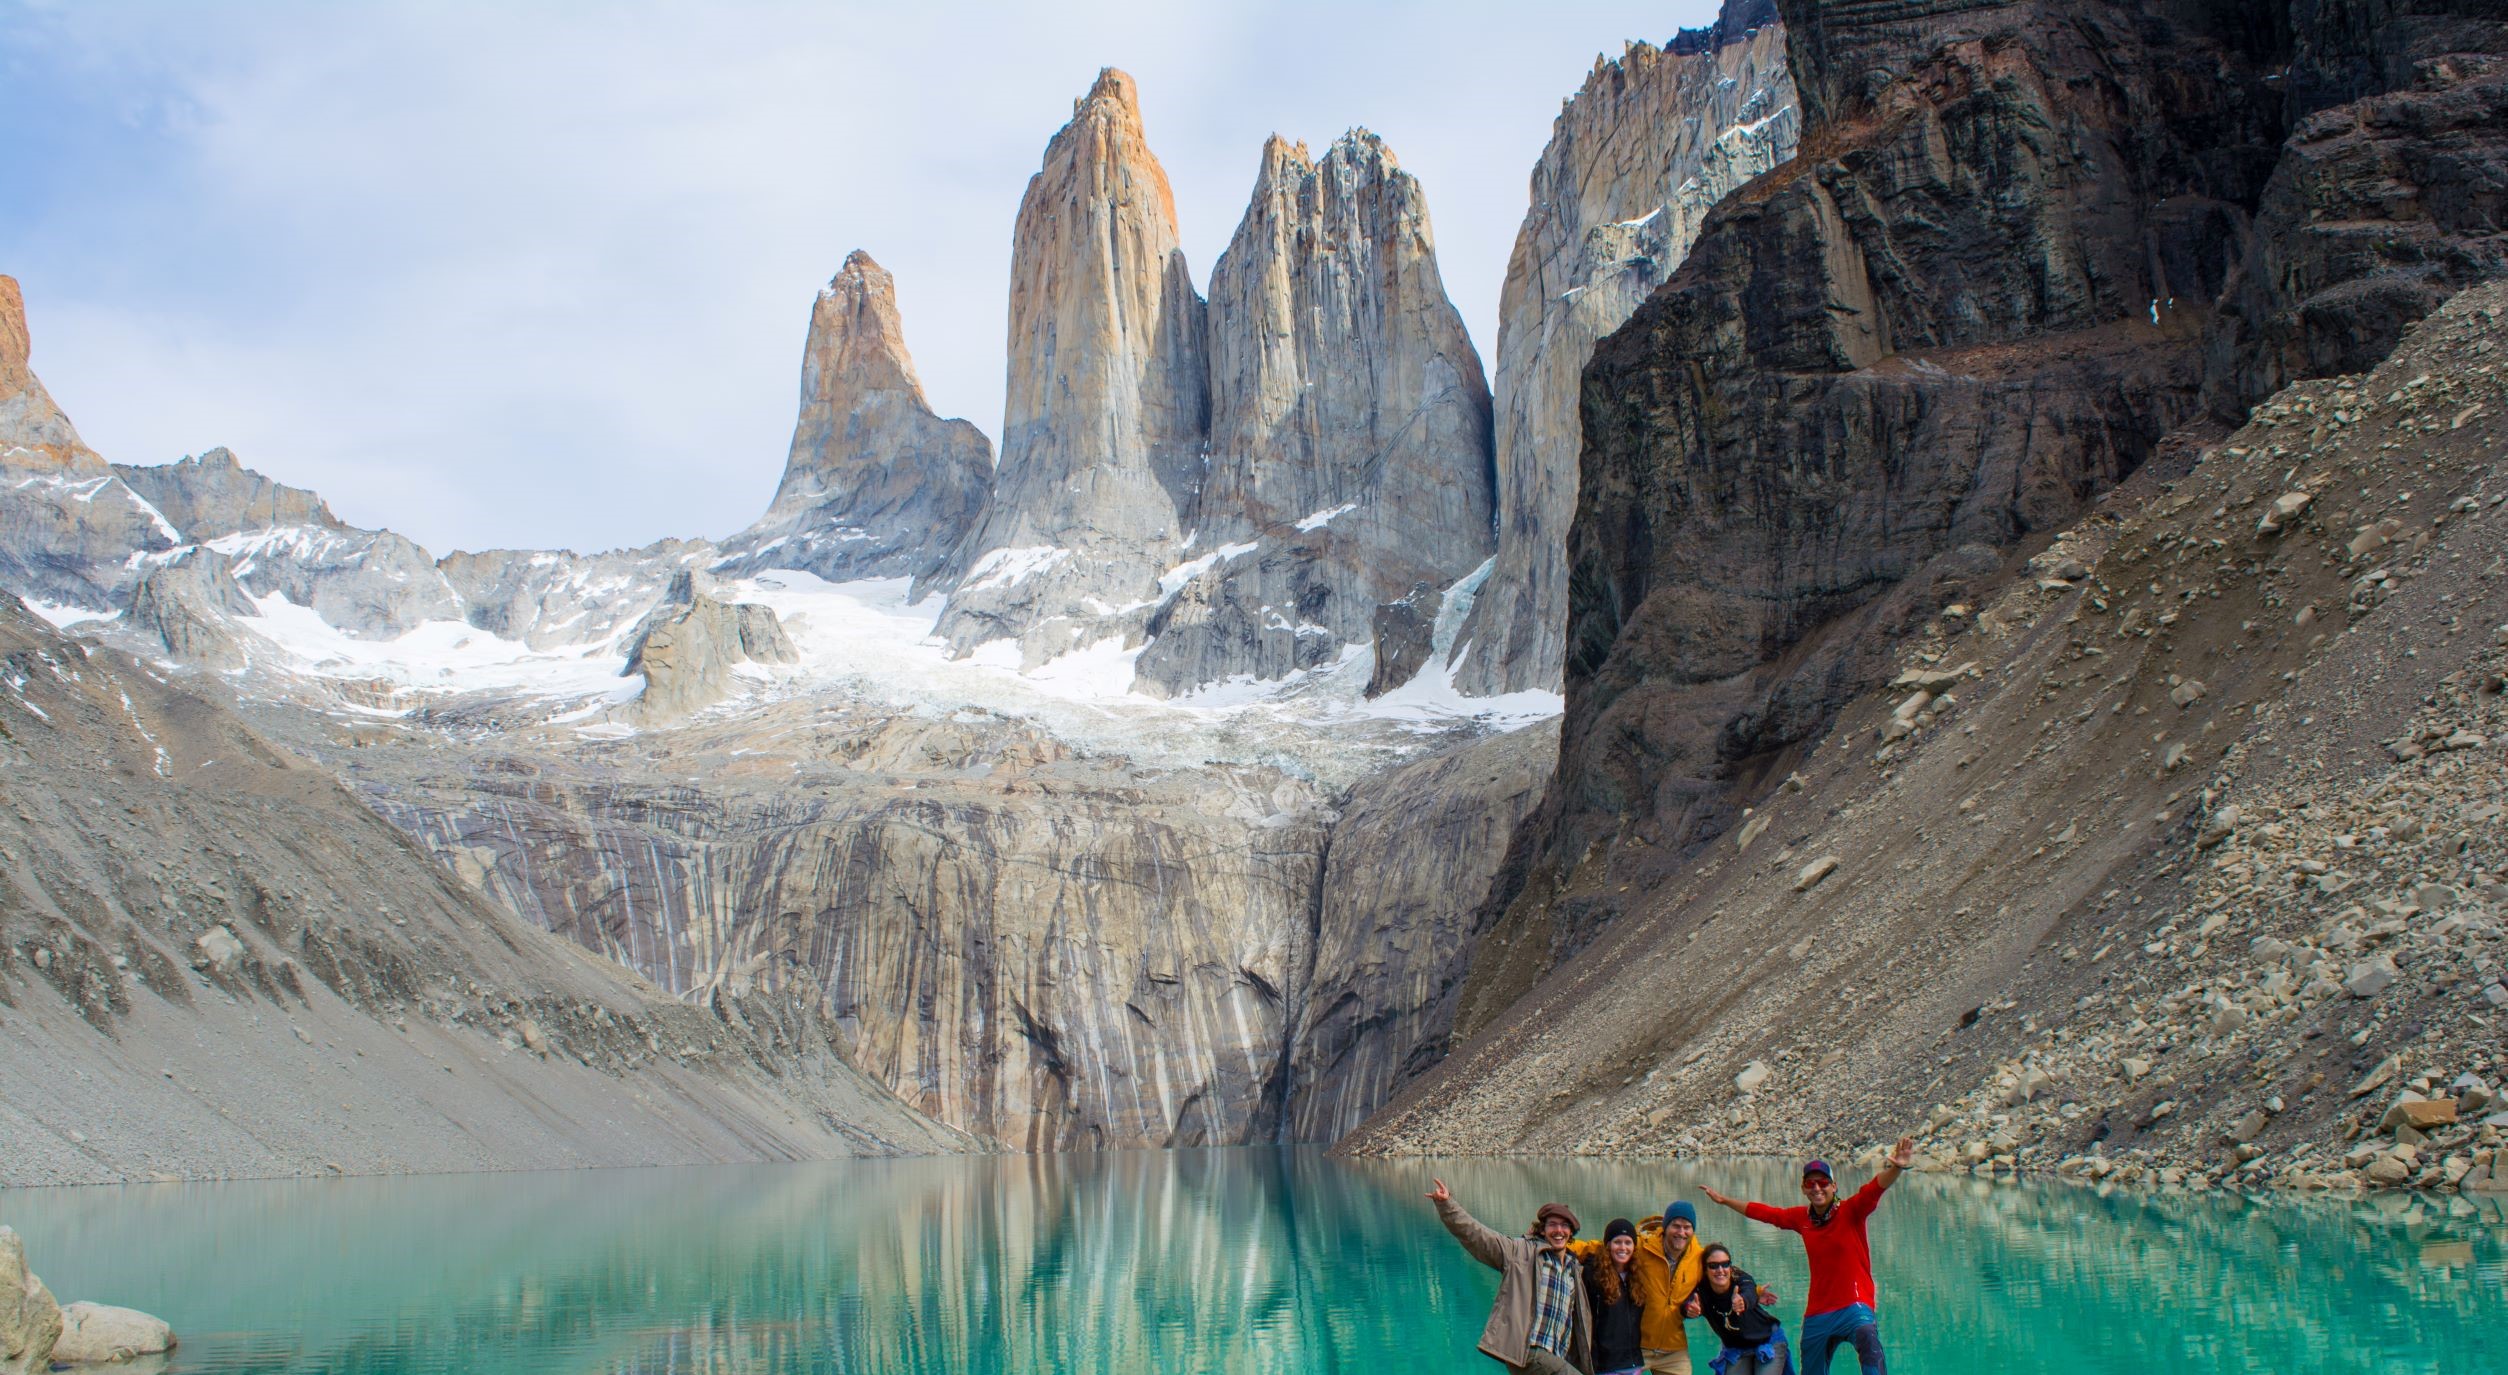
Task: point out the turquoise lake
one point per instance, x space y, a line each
1218 1260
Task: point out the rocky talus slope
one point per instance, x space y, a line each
2175 857
1108 402
877 485
217 962
1349 428
1635 160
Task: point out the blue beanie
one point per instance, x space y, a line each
1681 1210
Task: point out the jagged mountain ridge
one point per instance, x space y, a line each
1351 465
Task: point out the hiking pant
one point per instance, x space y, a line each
1772 1359
1667 1362
1853 1325
1540 1362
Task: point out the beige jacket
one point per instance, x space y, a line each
1510 1326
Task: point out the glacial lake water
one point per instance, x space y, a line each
1216 1260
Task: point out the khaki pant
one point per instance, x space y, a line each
1540 1362
1667 1362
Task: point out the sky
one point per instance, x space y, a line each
538 275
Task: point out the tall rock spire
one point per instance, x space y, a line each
34 434
1634 163
1107 405
1350 426
877 485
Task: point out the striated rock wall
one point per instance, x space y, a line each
1349 440
186 606
1635 161
1104 421
1048 949
1399 921
876 485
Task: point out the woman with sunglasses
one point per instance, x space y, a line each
1736 1306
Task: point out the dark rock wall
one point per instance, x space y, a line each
2022 246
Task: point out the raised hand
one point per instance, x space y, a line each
1903 1154
1714 1197
1738 1297
1440 1194
1693 1308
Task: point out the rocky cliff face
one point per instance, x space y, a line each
188 607
2172 857
1635 161
877 485
690 648
1877 366
552 597
214 496
34 434
1108 403
1349 431
1885 372
215 962
67 523
1047 947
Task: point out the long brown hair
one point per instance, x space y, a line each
1602 1275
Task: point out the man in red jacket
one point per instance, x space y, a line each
1838 1311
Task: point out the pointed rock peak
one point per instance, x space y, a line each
857 340
1361 145
862 272
14 345
1114 92
1284 164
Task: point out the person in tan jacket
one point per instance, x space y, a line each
1666 1270
1541 1323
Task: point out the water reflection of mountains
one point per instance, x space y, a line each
1205 1261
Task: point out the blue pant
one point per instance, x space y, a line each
1853 1325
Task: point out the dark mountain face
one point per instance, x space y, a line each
2025 249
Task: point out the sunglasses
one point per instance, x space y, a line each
1719 1265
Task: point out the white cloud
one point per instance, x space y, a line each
539 274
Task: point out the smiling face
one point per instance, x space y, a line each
1716 1268
1556 1231
1678 1232
1819 1190
1623 1249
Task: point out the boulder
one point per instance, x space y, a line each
1753 1077
218 947
30 1322
94 1333
1814 872
2418 1113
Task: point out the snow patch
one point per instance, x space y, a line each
1010 567
1321 519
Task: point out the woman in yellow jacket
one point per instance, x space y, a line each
1666 1271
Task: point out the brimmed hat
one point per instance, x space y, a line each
1820 1168
1558 1210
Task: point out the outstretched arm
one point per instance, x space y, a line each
1733 1203
1486 1246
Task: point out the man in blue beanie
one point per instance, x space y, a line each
1666 1269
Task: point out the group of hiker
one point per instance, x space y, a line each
1569 1306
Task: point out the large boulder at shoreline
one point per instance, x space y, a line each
30 1322
94 1333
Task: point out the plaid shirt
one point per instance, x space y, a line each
1554 1300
